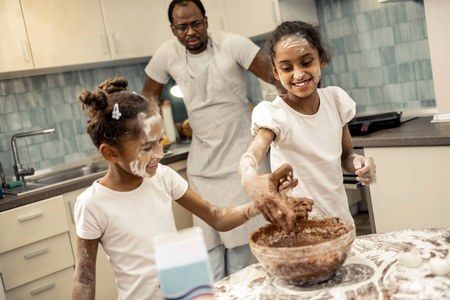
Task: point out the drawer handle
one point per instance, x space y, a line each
29 217
43 289
36 253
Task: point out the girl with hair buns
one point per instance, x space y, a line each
132 203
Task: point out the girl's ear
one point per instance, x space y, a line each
323 63
109 153
275 73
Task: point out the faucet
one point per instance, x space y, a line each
18 171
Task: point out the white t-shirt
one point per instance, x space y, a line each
233 54
126 223
312 145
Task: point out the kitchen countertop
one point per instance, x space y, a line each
417 132
176 152
371 271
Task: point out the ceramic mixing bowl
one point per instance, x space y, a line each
312 255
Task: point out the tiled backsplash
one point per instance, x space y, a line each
381 53
381 59
50 101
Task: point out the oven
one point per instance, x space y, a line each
358 195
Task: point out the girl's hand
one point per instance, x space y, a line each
269 192
365 169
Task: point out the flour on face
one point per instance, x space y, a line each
152 128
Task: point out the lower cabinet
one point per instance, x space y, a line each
412 189
105 288
35 251
54 286
183 217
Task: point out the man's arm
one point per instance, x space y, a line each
262 67
152 90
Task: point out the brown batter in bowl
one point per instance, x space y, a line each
311 255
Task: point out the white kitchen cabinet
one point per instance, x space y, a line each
63 33
105 287
217 18
34 246
15 52
412 187
135 28
253 18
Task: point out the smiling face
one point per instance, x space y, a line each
297 66
195 40
141 156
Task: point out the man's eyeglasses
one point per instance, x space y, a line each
184 28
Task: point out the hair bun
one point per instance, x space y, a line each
113 85
96 100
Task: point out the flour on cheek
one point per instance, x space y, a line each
152 129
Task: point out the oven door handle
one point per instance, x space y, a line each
352 184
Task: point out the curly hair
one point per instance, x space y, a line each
304 30
184 3
98 107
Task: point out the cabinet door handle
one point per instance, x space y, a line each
36 253
30 217
25 50
114 39
274 12
71 212
43 289
104 43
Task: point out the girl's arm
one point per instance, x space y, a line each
269 191
220 219
354 163
84 278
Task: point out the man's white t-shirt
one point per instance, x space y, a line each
312 145
233 54
126 223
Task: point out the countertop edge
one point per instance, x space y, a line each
13 201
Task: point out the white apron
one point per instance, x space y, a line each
220 122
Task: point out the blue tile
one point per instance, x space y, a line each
383 37
352 43
380 17
39 83
398 13
339 46
422 69
406 72
7 104
387 56
389 74
425 90
6 87
415 10
364 22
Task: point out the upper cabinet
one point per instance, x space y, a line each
15 52
135 28
215 11
49 34
63 33
252 18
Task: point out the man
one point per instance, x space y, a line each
210 70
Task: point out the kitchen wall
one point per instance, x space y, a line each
382 55
381 59
50 101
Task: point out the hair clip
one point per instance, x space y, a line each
116 113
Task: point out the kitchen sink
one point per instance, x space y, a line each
61 176
57 175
